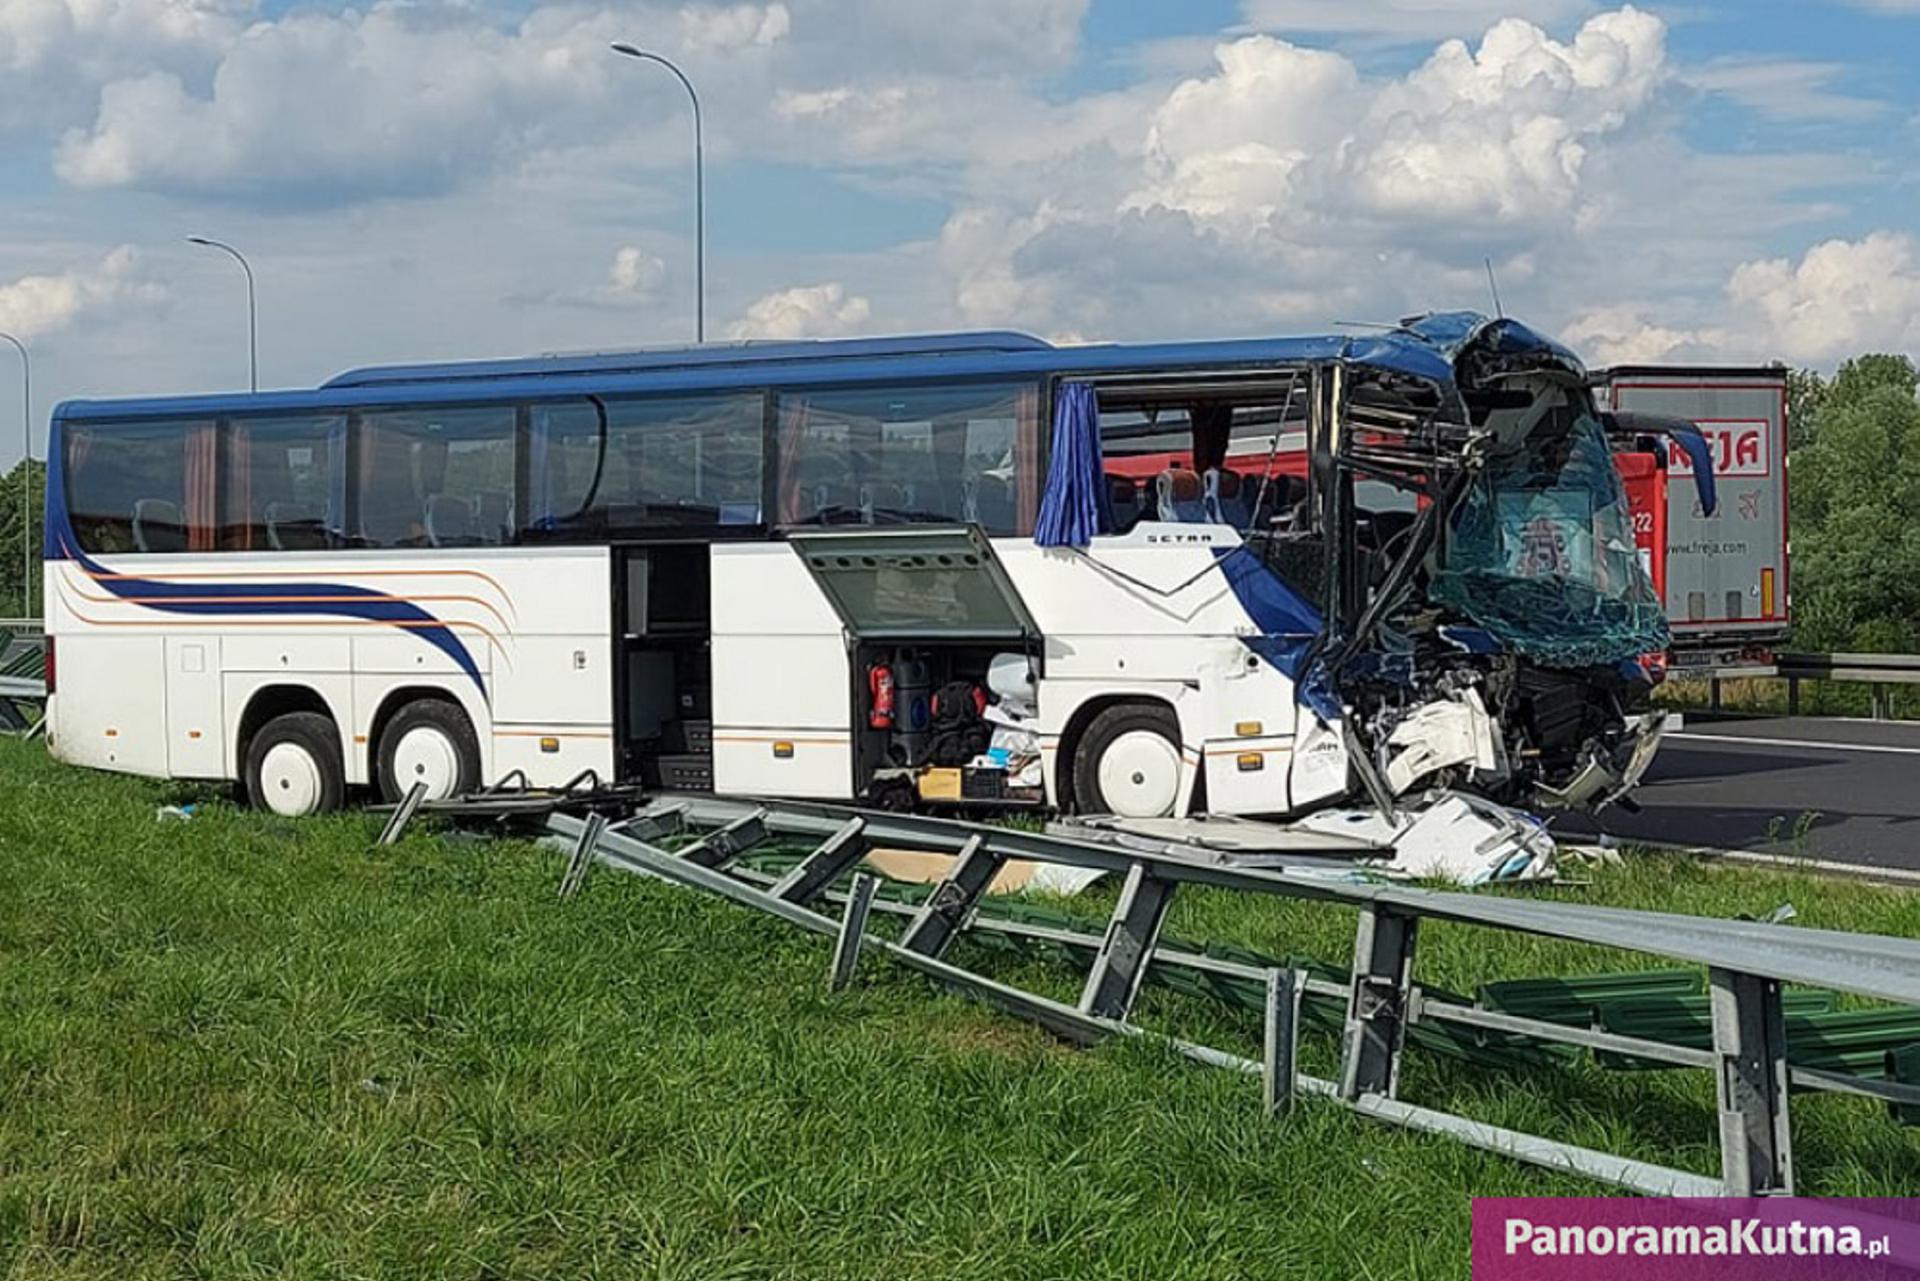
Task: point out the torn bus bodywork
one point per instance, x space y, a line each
1485 607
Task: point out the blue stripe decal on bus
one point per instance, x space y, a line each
340 600
243 599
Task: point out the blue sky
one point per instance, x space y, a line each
439 178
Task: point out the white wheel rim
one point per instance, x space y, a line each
1140 775
426 755
290 780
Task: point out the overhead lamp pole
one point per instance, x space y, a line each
699 186
26 476
253 327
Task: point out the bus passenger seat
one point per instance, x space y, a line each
1180 496
157 527
1226 498
993 501
291 528
494 512
449 521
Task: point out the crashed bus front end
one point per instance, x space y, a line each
1485 625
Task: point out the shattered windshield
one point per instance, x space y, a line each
1541 550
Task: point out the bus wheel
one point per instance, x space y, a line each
293 765
428 741
1128 762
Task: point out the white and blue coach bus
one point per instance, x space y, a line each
1370 565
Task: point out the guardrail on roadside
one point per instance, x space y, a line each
23 685
1878 670
1749 964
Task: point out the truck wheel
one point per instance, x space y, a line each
432 742
1128 762
293 765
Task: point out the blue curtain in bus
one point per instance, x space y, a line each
1076 504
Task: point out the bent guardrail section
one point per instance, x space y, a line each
23 665
1385 1009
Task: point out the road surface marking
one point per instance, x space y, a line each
1697 737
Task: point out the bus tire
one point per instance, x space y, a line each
294 767
428 741
1128 762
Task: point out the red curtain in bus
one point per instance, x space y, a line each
202 517
1026 459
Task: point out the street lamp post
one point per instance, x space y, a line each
699 187
26 476
253 328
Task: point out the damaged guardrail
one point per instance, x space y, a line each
23 686
1385 1009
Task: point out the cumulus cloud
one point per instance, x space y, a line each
806 311
1841 297
1505 131
39 304
56 54
1501 132
1289 186
396 100
635 274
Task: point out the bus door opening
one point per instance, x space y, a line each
664 672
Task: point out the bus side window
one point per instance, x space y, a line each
942 454
143 486
435 477
280 490
645 462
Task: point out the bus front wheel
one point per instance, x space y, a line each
293 765
1128 762
428 741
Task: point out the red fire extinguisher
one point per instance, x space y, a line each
880 700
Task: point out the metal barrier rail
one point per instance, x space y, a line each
22 665
1875 669
1747 965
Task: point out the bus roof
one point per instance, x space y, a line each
1424 348
707 355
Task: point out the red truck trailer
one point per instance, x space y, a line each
1722 574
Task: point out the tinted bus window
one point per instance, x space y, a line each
434 478
658 461
280 488
142 486
910 455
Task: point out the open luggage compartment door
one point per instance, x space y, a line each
919 584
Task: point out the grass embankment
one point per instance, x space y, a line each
1767 695
245 1046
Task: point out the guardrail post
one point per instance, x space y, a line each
1750 1039
1713 693
946 909
1793 695
1120 966
585 850
1377 1004
853 929
1280 1075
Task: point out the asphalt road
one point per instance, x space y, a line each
1841 790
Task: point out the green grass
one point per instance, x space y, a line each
243 1046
